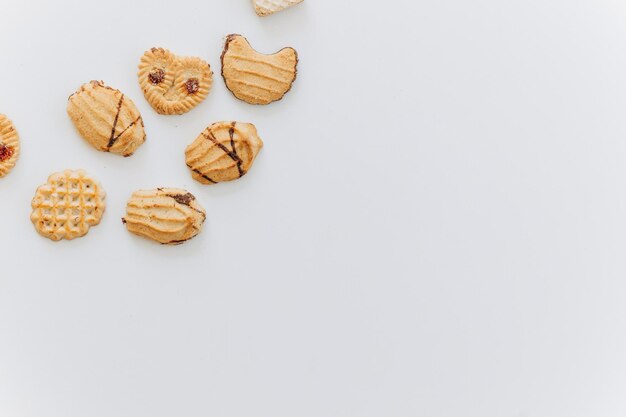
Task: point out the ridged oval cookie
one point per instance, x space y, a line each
167 215
254 77
268 7
67 205
106 118
9 145
173 84
223 151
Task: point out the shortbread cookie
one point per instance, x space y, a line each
224 151
173 84
267 7
9 145
67 205
254 77
167 215
106 118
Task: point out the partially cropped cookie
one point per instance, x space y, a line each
9 145
223 151
167 215
268 7
173 84
67 205
254 77
106 118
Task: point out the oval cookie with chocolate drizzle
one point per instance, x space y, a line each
9 145
167 215
173 84
254 77
106 118
223 151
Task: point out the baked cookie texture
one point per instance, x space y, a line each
9 145
106 118
67 205
223 151
169 216
173 84
254 77
268 7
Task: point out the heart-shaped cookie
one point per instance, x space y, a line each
173 84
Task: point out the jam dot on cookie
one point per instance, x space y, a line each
5 152
192 85
156 76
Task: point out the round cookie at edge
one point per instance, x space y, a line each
9 145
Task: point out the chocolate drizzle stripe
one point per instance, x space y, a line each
231 133
113 139
212 138
206 177
185 199
128 127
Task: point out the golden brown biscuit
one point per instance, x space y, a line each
268 7
67 205
254 77
173 84
9 145
224 151
167 215
106 118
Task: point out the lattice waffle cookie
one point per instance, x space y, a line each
173 84
9 145
267 7
254 77
67 205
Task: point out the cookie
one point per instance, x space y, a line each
106 118
167 215
173 84
9 145
224 151
67 205
254 77
268 7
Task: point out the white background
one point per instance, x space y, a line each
435 227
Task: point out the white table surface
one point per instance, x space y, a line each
435 227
